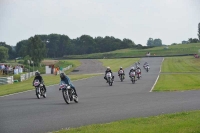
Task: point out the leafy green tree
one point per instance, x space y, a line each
11 52
36 49
22 48
150 42
4 54
157 42
193 40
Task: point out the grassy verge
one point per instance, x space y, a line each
182 73
115 64
171 123
177 82
181 64
27 85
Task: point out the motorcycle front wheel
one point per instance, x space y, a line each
66 96
37 92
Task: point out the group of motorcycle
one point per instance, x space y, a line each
134 75
67 91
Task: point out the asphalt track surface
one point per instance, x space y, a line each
99 103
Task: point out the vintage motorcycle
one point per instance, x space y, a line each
121 75
132 76
109 78
68 93
39 89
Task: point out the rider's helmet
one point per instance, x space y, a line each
132 68
37 73
108 68
62 75
120 68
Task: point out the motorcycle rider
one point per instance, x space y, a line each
132 70
123 72
140 72
108 70
145 64
39 77
64 78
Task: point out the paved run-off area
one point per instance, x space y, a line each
99 103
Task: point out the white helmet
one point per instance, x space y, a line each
108 67
132 68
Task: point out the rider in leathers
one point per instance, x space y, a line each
64 78
108 70
123 72
39 77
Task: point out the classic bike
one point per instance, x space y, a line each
39 89
68 93
138 73
121 75
132 76
109 78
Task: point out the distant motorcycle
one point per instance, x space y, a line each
109 78
147 68
132 76
138 73
68 93
39 89
121 75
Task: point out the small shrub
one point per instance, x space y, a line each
16 77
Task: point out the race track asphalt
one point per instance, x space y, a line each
98 103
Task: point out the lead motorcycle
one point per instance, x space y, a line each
121 75
68 93
39 89
132 76
109 78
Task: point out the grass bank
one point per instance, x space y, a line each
181 64
115 64
178 74
171 123
158 51
27 85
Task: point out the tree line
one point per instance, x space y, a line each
59 45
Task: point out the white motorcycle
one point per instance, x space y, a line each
39 89
121 75
138 73
68 93
109 78
132 76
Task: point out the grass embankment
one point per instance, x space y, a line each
171 123
158 51
179 73
115 64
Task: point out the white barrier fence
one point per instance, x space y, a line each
6 80
10 80
26 76
67 68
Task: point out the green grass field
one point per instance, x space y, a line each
115 64
181 64
185 122
158 51
178 74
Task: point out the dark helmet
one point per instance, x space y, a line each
62 75
37 73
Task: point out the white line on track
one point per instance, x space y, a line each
157 77
47 86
